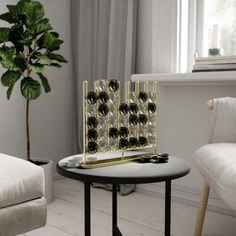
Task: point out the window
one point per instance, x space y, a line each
205 28
218 27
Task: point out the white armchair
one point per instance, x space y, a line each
22 205
216 161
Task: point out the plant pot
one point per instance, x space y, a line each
47 166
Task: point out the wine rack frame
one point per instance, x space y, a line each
146 129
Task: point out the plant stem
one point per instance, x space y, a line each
27 130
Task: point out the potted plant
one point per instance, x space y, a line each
27 47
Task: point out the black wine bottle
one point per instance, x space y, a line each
124 132
133 142
103 110
92 122
123 109
92 147
133 120
92 135
142 96
151 107
123 143
113 85
142 119
91 97
133 108
103 97
113 133
142 141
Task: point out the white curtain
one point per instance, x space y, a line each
103 45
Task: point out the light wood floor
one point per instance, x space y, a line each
139 215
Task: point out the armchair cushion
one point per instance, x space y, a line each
217 164
20 181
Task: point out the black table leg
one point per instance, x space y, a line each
168 208
87 210
114 208
115 229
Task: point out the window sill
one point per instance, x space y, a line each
190 79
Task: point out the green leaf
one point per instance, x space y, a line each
37 14
57 57
34 11
11 8
38 68
16 34
19 61
30 89
4 34
40 27
45 59
9 78
8 18
31 12
9 64
9 91
35 3
25 42
7 52
13 12
40 41
48 39
56 65
51 43
55 34
45 83
22 17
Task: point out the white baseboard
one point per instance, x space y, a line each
186 196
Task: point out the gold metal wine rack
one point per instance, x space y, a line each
141 103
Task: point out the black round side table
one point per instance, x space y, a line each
130 173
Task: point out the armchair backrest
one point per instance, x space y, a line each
223 128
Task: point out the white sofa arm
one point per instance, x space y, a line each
20 181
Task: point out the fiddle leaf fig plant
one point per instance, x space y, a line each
27 48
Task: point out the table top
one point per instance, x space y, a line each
128 173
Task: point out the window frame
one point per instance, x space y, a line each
188 51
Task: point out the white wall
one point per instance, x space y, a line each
52 114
